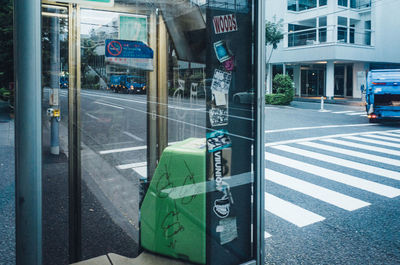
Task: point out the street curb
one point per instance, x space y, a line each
332 101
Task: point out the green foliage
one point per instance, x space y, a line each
6 42
282 91
273 33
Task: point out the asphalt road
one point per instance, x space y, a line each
332 186
332 179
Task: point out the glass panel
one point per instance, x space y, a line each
339 80
55 81
323 2
342 2
167 127
300 5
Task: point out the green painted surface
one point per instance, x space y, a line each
173 211
133 28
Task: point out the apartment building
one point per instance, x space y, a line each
330 45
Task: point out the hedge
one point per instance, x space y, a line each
282 88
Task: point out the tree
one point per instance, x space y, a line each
6 43
273 35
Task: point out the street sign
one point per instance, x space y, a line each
134 54
90 3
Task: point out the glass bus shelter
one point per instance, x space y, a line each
139 129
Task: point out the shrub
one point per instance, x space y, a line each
282 91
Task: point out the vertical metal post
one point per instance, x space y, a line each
260 118
55 81
74 143
28 132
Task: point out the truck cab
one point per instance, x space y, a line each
382 94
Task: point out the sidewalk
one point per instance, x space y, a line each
336 100
7 186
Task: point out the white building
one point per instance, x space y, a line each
330 45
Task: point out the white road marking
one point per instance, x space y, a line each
108 105
290 212
267 235
355 113
371 141
322 137
391 134
342 162
133 136
132 165
342 112
93 117
349 180
380 159
326 195
383 137
321 127
142 171
363 146
127 149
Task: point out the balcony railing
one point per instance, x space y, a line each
329 35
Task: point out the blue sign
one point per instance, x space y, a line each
135 54
128 49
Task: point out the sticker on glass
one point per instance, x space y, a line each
225 23
221 81
228 230
218 140
218 116
221 51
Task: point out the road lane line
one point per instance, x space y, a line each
132 165
323 194
321 127
380 159
108 105
371 141
323 137
127 149
383 137
142 171
341 162
355 113
133 136
349 180
93 117
290 212
342 112
363 146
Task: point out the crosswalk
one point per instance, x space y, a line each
369 162
357 163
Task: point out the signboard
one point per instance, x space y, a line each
133 54
91 3
133 28
226 23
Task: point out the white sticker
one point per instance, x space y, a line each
220 98
230 230
220 229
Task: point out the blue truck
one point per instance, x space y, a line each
127 84
382 95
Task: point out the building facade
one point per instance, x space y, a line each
330 45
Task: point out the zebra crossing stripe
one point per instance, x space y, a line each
342 162
380 159
290 212
339 177
391 134
332 197
363 146
381 137
371 141
267 235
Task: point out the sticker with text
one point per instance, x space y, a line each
221 51
225 23
218 140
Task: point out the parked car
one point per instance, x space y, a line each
244 97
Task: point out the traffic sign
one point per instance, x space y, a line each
91 3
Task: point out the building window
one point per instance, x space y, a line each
323 2
300 5
302 33
342 3
368 32
322 29
342 29
360 3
